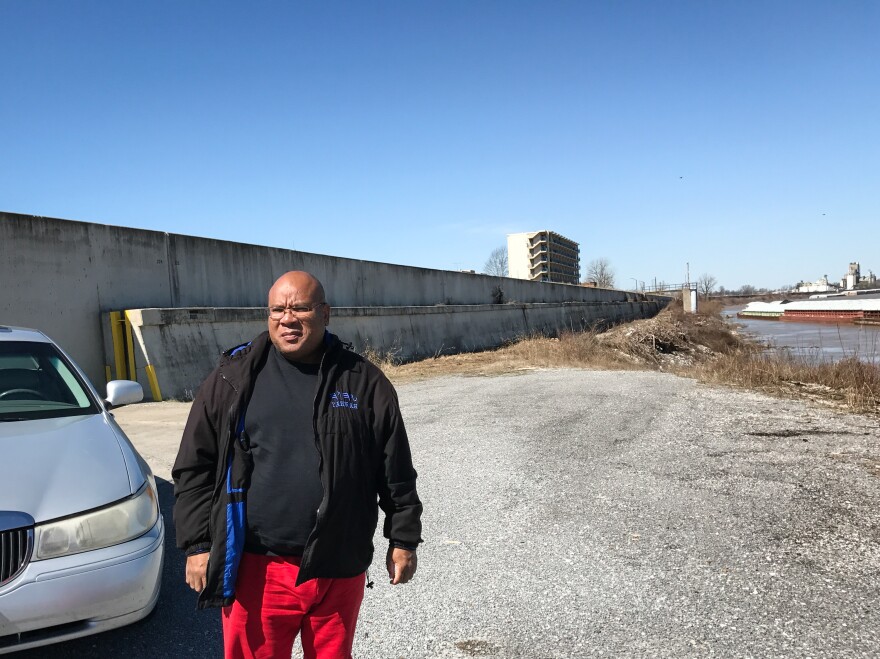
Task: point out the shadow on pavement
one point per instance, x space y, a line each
174 629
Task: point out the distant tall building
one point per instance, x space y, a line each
852 278
543 256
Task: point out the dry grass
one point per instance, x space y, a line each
693 345
849 383
570 350
642 344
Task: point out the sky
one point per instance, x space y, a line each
738 139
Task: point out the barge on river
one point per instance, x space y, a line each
862 312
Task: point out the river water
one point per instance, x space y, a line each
816 341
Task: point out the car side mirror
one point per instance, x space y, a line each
123 392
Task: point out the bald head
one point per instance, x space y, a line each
300 280
302 314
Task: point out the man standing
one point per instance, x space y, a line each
289 443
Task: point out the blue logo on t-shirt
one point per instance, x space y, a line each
343 399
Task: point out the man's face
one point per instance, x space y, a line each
299 333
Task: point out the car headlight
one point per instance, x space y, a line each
120 522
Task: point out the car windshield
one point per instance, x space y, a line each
37 382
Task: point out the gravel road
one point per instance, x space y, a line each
581 513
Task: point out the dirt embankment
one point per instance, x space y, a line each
669 340
672 339
700 345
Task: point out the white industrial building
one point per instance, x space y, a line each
543 256
821 285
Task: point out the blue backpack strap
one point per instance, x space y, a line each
232 352
236 520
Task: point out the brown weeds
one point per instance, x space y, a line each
849 383
569 350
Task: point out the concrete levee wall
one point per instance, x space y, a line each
183 345
60 275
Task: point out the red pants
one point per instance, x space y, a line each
269 611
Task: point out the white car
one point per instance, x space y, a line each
81 536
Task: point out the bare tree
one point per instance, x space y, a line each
599 271
706 284
496 264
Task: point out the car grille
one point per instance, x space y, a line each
15 552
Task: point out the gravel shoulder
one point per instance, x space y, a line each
573 513
583 513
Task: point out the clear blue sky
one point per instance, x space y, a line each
741 137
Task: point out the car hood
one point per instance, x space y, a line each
51 468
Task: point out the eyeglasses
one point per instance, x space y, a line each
299 311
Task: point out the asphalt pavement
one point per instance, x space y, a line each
585 514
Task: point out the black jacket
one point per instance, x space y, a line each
365 456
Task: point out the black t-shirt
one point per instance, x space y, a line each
285 490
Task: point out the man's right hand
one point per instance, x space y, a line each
196 568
